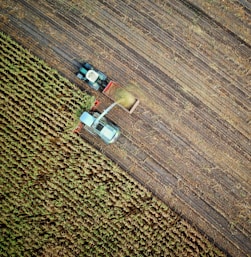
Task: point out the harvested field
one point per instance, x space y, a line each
189 64
60 196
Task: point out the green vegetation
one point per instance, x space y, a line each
61 197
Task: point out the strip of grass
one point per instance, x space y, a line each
61 197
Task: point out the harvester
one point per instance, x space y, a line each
97 123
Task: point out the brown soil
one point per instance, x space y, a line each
189 139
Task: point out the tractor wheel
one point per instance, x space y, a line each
88 66
102 76
83 70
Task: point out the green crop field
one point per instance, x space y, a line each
58 195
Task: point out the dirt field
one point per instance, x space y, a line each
189 64
61 197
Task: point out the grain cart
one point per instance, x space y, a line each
99 81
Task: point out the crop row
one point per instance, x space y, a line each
36 65
65 189
58 193
24 84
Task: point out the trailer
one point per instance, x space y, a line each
123 98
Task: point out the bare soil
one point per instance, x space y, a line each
189 64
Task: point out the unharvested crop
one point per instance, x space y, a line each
61 197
